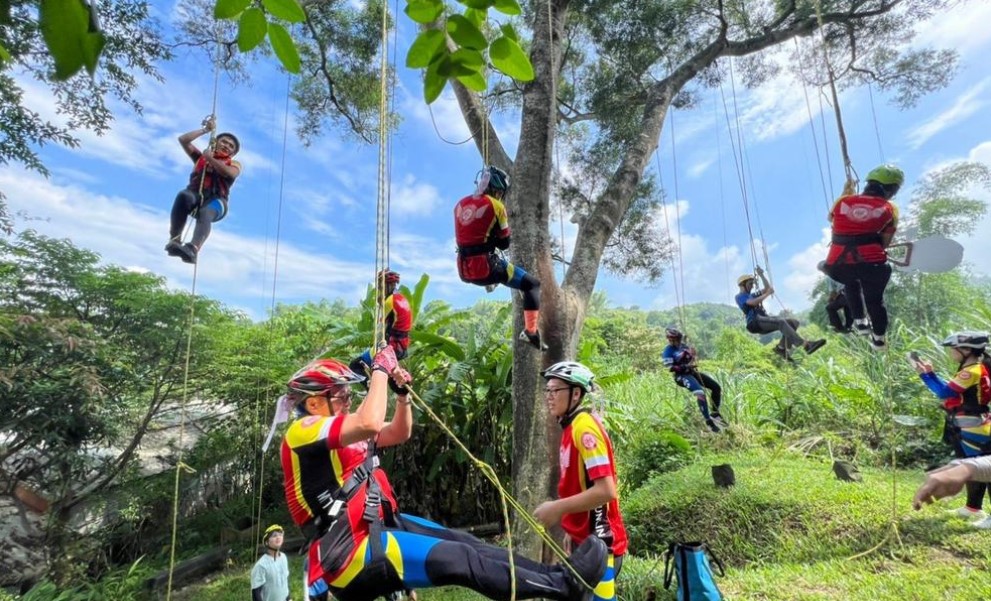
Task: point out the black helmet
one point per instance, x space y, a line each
673 332
498 180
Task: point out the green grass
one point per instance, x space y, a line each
787 532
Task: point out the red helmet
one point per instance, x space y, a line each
321 376
391 277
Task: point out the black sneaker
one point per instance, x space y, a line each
712 425
783 354
589 560
534 340
813 345
174 247
862 329
187 252
716 417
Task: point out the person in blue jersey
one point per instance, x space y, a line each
680 360
751 302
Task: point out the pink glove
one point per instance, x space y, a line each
385 360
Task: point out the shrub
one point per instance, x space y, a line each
654 452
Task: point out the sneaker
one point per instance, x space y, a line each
712 425
533 338
187 252
863 328
589 560
783 354
716 417
813 345
174 247
967 513
984 524
878 342
491 287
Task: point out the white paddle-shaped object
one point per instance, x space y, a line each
933 254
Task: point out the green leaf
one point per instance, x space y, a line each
284 47
477 17
508 7
425 48
251 29
229 9
475 81
479 4
508 57
66 29
424 11
287 10
465 34
4 55
508 31
469 59
433 82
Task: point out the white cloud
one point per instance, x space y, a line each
412 197
963 26
965 105
443 115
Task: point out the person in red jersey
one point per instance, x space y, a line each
361 546
398 320
863 226
588 501
481 227
206 196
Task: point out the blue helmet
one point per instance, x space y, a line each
498 180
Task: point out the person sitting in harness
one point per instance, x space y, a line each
759 322
481 227
965 399
837 305
680 360
206 196
398 320
862 228
361 546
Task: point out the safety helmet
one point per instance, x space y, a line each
974 340
389 276
571 372
744 278
270 531
673 332
237 143
887 175
498 179
320 376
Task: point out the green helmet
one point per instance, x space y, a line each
887 175
571 372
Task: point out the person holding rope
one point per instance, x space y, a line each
481 228
759 322
206 195
398 320
965 400
862 228
361 546
681 361
588 501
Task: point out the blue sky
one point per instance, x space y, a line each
113 193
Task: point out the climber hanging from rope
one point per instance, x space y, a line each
361 547
397 316
862 228
481 228
206 196
751 302
681 360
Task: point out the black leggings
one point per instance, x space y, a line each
869 279
184 204
432 555
838 305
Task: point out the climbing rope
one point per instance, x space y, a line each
680 275
877 130
181 466
741 179
679 301
851 174
722 194
812 128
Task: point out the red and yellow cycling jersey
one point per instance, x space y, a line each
398 317
479 220
973 387
586 456
859 216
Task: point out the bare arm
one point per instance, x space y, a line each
231 171
400 428
369 419
186 139
603 490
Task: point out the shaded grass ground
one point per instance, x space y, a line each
787 532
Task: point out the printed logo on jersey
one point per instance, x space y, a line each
964 375
469 213
310 420
861 212
589 441
565 458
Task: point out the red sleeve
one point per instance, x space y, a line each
334 436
